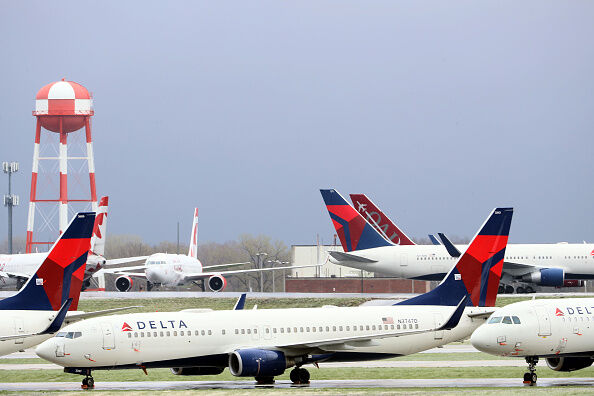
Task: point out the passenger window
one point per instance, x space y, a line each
274 330
168 334
348 328
209 332
333 328
155 334
267 330
506 320
495 319
175 333
161 334
249 331
416 325
288 329
367 327
301 329
410 326
373 327
196 332
129 335
236 331
202 332
385 327
255 331
148 333
222 332
242 331
361 327
397 327
181 333
327 328
307 329
392 327
516 320
135 335
340 328
321 329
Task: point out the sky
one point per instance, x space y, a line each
439 111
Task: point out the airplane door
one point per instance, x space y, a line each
108 336
544 322
438 321
403 259
19 328
60 350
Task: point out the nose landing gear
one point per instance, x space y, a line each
531 377
299 376
88 382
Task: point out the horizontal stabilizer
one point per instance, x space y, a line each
79 315
54 326
340 256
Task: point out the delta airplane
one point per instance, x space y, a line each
371 250
559 330
264 343
16 269
40 307
168 269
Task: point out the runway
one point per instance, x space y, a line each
321 384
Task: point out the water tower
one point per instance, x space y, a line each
62 109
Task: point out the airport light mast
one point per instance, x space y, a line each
10 199
260 263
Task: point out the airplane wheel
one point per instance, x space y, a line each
85 382
527 378
520 290
91 382
264 380
303 376
294 375
529 289
509 290
501 290
533 379
149 286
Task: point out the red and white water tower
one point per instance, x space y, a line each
62 109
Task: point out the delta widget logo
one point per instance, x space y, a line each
558 312
126 327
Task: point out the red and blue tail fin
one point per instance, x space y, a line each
378 219
354 231
61 274
478 271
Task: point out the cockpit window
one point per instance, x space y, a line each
77 334
516 320
61 334
495 319
70 334
506 320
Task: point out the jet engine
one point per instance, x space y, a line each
258 362
197 370
546 277
569 363
217 283
123 283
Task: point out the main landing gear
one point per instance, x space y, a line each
299 375
531 377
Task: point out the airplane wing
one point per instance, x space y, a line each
343 343
124 270
483 314
225 265
75 316
201 275
112 262
340 256
10 274
54 325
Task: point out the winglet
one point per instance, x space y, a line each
59 319
433 239
456 316
240 304
452 250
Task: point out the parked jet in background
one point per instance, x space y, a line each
16 269
559 330
168 269
367 249
264 343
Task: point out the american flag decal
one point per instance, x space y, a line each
388 320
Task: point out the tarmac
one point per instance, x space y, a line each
316 384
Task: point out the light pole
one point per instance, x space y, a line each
10 200
277 262
260 257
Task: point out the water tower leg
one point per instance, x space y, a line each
91 163
33 196
63 178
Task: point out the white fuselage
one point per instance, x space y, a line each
27 263
548 327
153 339
23 322
432 262
169 269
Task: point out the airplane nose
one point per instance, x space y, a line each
46 350
153 275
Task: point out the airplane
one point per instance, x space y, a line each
173 270
264 343
367 249
559 330
16 269
42 305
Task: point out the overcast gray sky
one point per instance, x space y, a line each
438 110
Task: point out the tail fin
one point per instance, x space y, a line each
60 276
193 252
100 228
378 219
354 231
478 271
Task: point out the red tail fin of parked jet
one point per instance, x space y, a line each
354 231
379 220
478 271
61 274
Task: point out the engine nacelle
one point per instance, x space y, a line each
569 363
197 370
217 283
546 277
257 362
124 283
